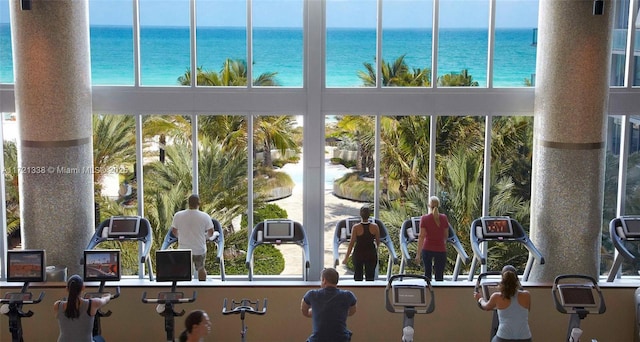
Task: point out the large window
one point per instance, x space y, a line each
366 113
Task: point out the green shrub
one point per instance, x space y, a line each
269 211
267 258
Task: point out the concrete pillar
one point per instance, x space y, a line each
572 81
55 150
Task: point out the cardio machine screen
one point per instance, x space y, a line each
351 221
497 227
415 223
631 226
576 296
124 226
101 265
409 295
173 265
26 265
489 288
278 229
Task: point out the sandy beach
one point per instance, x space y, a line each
335 209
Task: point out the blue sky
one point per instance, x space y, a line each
288 13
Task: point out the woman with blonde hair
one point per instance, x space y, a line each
432 248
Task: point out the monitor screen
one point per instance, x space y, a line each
415 224
631 226
173 265
26 265
409 295
352 221
488 288
124 226
497 227
101 265
278 230
576 296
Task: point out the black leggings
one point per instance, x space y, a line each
369 269
438 259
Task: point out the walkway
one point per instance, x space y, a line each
335 209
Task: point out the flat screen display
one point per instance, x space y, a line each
409 295
173 265
278 230
631 226
124 226
26 265
576 296
352 221
102 265
497 227
415 223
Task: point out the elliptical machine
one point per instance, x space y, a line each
409 294
577 295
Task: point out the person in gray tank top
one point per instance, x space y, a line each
513 305
76 314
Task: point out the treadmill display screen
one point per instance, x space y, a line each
631 226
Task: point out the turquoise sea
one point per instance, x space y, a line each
164 53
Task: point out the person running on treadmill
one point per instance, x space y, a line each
365 239
513 305
193 227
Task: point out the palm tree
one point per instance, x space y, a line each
113 145
396 74
274 131
12 195
362 130
463 79
233 73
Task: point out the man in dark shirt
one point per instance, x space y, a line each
329 308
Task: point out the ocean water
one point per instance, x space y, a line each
165 53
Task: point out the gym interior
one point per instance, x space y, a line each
573 127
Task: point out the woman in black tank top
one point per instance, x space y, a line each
365 239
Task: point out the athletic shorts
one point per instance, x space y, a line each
198 261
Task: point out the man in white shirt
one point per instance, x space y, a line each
193 227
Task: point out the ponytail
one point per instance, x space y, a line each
434 203
74 287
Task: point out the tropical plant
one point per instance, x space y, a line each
462 79
12 193
396 74
233 73
113 145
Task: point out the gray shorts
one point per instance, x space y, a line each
198 261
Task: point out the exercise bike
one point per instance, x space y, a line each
243 307
409 294
97 328
12 306
165 307
577 295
